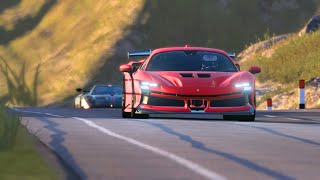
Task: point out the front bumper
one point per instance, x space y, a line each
229 104
239 110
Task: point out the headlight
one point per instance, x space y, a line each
145 86
245 86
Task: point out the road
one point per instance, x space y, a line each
99 144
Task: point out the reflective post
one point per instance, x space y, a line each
269 104
302 94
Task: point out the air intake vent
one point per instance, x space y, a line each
186 75
204 75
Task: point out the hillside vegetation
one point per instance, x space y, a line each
69 39
68 44
296 58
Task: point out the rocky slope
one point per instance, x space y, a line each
285 95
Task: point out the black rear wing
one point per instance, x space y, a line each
146 53
139 54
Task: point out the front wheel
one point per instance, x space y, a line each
132 114
126 114
138 116
244 118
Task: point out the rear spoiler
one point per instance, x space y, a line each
142 53
145 53
232 55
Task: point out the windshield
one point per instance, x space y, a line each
113 90
190 61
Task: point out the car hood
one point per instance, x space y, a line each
199 82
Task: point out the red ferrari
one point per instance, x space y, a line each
187 80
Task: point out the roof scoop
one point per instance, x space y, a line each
204 75
186 75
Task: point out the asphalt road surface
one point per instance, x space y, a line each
99 144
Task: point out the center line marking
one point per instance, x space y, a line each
270 116
184 162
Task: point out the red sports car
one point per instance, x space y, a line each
187 80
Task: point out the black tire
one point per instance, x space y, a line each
243 118
137 116
130 114
126 114
141 116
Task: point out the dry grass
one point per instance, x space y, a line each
69 41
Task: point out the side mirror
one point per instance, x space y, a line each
82 90
135 66
255 69
126 68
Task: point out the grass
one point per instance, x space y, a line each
9 126
19 93
298 58
19 158
22 160
73 40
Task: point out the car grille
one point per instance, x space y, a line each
229 102
157 101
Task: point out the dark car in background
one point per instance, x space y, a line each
99 96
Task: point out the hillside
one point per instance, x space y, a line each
284 63
79 43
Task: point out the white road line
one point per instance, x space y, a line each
270 116
294 119
32 112
49 114
184 162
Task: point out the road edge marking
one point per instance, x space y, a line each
294 119
184 162
270 116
